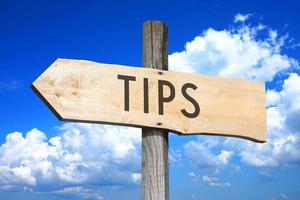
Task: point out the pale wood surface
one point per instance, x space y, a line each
155 145
79 90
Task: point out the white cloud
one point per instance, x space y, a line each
251 52
275 118
284 128
174 156
81 154
272 97
234 53
201 154
214 181
136 177
83 192
283 146
209 180
263 160
193 176
241 18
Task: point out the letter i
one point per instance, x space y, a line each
146 96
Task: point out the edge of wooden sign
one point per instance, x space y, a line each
155 70
263 140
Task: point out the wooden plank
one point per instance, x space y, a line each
155 142
85 91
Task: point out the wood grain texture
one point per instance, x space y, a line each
78 90
155 166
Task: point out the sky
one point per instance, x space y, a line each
44 158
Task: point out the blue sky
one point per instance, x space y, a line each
43 158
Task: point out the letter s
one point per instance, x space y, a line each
191 99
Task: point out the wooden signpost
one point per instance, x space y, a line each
156 100
86 91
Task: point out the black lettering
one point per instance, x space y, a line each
161 98
191 99
126 89
146 96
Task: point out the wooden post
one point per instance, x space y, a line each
155 142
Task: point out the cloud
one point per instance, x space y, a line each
83 192
280 151
174 156
238 52
193 176
81 154
209 180
283 147
214 181
202 154
241 18
290 101
251 52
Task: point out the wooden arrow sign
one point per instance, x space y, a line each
84 91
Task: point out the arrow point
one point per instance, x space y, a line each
35 89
